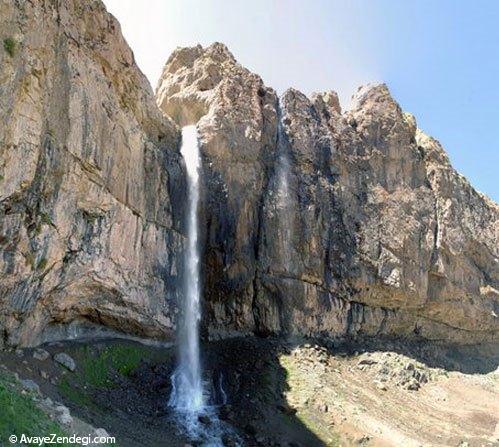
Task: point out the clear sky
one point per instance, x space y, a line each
440 58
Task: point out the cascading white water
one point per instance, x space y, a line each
284 202
187 384
189 398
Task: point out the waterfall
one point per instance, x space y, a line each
187 385
284 202
191 400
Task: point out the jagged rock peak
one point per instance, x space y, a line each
327 100
375 92
186 56
195 78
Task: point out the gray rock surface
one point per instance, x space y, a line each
63 415
30 385
40 354
376 234
91 181
314 221
65 360
238 128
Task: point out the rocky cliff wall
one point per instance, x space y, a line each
91 182
314 220
377 235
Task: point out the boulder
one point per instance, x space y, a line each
30 385
40 354
65 360
63 416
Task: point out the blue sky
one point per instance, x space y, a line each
439 58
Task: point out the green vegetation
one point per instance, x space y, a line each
42 264
19 414
9 45
46 220
99 370
74 393
30 259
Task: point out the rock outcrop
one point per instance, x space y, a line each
323 222
237 122
91 182
314 221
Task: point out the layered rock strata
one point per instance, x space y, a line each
91 182
375 234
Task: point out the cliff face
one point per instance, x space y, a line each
319 221
238 127
314 221
91 182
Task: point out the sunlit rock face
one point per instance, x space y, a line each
312 221
92 186
380 235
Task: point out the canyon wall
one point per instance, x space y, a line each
314 221
91 182
376 233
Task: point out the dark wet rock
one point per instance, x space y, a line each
250 429
229 441
204 419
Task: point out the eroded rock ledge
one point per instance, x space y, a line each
380 235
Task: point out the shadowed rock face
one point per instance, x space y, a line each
381 236
92 187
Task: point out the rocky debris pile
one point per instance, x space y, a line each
390 368
384 368
313 355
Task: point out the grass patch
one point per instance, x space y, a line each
46 220
98 370
19 414
30 260
74 393
9 45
